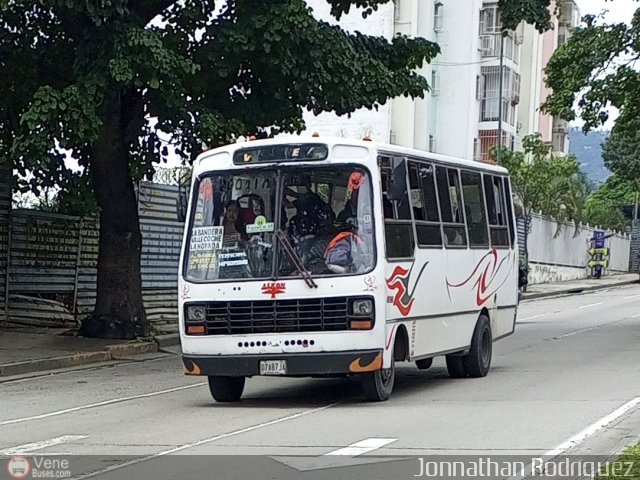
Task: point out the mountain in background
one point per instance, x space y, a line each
588 150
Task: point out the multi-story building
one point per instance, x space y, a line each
537 50
472 98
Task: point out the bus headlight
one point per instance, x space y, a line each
362 307
196 313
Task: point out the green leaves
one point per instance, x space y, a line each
192 78
596 70
545 182
603 206
535 12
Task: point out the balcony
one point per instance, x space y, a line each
569 14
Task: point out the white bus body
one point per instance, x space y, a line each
434 250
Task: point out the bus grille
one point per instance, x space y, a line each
271 316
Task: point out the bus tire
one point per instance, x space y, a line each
478 361
424 363
455 366
377 386
226 389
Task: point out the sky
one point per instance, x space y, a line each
618 10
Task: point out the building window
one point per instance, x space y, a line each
489 139
435 83
490 107
438 17
433 143
490 23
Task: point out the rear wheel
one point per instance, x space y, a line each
424 364
226 389
478 361
377 386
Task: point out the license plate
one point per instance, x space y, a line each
273 367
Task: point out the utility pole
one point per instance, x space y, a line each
500 96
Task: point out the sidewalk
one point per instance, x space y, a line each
578 286
29 351
24 351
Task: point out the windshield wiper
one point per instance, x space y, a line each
295 259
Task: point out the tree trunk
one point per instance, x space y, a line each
119 310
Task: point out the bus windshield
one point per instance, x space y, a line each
324 212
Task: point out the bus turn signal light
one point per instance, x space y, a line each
196 330
361 324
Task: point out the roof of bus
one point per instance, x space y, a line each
329 141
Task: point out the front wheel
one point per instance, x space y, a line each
377 386
226 389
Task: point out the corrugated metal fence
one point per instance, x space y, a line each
5 207
53 260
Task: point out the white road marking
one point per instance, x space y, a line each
99 404
632 296
363 446
636 315
32 447
593 428
204 441
591 305
535 316
580 437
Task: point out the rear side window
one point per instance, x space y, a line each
448 184
474 208
497 210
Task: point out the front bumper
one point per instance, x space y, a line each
298 364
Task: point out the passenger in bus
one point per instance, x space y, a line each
356 180
234 227
313 215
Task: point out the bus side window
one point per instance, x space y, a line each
399 239
494 191
425 205
475 209
509 202
448 182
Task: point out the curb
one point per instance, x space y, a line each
111 353
575 291
167 340
53 363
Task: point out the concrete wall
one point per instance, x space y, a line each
564 257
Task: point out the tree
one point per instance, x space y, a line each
603 206
544 182
595 71
86 78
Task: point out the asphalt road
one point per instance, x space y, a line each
572 361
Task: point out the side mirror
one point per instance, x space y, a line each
397 185
183 202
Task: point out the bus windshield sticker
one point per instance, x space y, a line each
207 239
261 225
202 261
233 259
